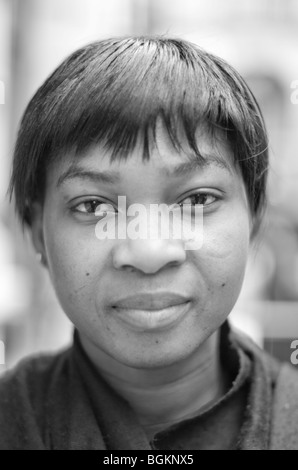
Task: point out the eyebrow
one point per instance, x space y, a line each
112 177
78 172
194 163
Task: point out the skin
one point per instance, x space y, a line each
89 275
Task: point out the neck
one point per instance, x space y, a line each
162 396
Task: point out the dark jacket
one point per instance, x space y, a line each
60 402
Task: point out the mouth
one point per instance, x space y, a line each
151 311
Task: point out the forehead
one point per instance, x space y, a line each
214 151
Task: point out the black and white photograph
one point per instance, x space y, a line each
148 227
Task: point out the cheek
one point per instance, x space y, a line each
227 246
228 240
223 258
75 267
221 267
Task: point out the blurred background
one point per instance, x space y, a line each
259 38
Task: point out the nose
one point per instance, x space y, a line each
148 256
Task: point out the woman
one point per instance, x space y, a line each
154 364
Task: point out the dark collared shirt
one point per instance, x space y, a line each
61 402
238 419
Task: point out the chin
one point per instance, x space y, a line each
149 361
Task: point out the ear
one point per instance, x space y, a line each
37 232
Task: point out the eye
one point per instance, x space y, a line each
94 207
202 198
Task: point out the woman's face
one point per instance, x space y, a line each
147 303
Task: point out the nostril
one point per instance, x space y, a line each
173 263
126 267
148 256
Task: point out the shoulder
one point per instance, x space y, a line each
32 373
23 395
284 433
283 381
270 365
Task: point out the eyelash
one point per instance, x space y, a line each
200 194
90 201
192 197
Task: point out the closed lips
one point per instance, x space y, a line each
150 301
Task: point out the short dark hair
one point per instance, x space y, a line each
113 91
